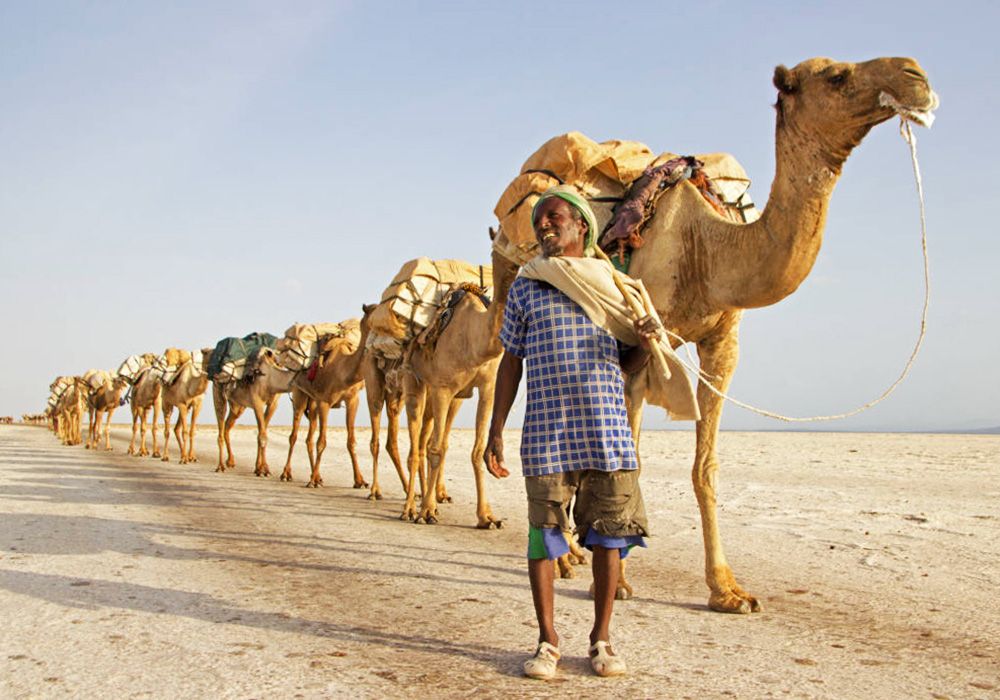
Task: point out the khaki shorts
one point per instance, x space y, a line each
609 502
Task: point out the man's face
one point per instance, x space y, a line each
558 233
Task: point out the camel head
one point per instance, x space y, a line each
206 357
836 104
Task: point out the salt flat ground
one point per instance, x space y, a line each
875 557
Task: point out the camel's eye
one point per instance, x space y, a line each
837 79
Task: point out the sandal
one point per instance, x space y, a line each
543 664
604 661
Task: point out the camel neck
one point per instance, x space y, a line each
761 263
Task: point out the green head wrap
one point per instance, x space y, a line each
572 196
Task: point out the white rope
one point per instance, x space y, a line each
907 133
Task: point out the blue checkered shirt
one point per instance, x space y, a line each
575 418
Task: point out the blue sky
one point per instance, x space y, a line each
173 173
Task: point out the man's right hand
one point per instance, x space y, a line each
494 457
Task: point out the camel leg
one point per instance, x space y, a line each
322 415
564 564
313 419
227 428
375 398
299 401
136 417
717 355
442 492
262 412
484 407
96 429
107 429
414 426
195 410
90 429
439 404
167 411
221 405
144 424
392 410
157 405
350 414
425 437
179 428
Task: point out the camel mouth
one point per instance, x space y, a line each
923 117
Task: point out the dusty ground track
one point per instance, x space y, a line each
875 557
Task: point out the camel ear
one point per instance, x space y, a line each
785 81
368 308
493 234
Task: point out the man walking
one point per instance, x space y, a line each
576 440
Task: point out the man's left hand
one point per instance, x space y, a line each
649 329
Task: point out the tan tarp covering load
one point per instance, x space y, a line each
173 359
599 170
411 300
96 378
297 349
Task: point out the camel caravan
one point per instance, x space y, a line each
685 226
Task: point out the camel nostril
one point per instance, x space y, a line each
915 73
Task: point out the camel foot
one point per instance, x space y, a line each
155 454
488 522
426 518
164 458
286 475
314 483
360 484
219 468
728 602
727 595
230 463
444 498
563 567
262 471
409 513
624 591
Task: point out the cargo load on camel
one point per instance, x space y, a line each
132 367
412 299
298 348
173 360
621 180
229 358
96 378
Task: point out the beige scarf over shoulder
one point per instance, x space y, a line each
589 282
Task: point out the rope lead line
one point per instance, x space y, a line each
907 133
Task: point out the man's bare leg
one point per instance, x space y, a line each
540 573
605 567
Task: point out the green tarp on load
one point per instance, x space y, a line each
236 350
